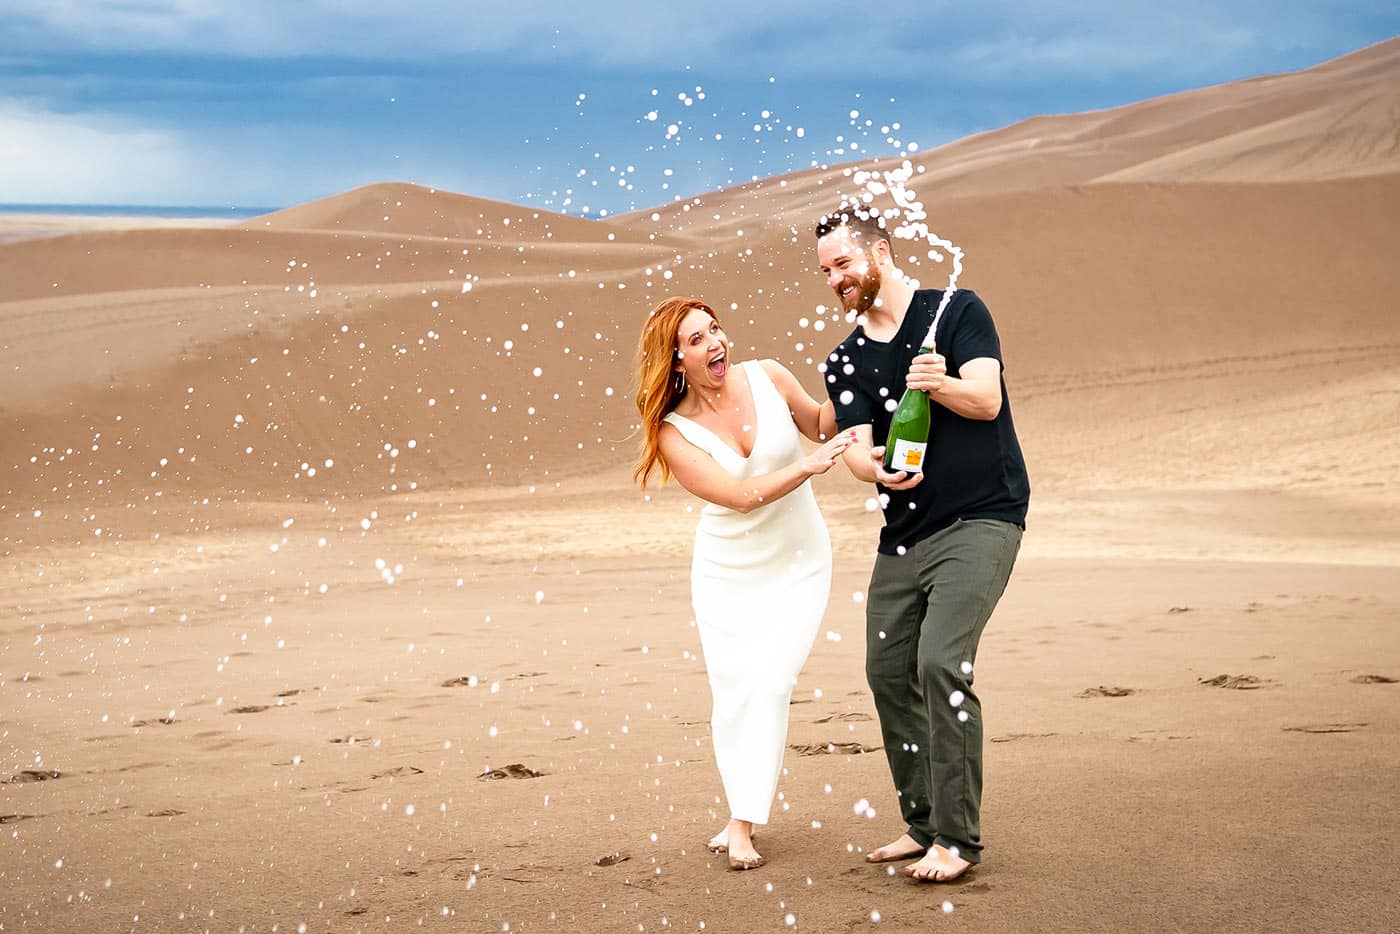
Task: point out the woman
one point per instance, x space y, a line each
762 566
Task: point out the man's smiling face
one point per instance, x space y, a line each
850 269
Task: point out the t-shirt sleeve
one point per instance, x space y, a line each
975 335
852 405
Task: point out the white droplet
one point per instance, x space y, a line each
956 698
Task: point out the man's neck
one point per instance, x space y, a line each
883 319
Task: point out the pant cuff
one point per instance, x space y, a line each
922 837
973 856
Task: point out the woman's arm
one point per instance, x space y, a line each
816 421
698 473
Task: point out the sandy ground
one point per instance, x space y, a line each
326 603
237 738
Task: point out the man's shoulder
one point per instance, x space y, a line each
960 298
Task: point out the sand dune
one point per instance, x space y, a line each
326 598
1098 289
1332 121
412 210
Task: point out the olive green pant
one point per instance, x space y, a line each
924 617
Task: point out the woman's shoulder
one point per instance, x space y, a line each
774 370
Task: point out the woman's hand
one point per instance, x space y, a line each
821 460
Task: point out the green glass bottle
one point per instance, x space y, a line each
908 439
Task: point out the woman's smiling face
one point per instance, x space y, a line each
702 349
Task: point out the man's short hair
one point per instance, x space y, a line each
865 224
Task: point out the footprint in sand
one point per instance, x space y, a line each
15 818
1324 728
250 708
465 681
351 740
827 749
844 717
1236 682
1374 679
32 775
1013 737
1103 691
168 812
398 771
514 770
612 859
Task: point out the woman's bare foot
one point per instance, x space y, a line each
739 841
940 865
906 847
719 843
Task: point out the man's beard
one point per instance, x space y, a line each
867 290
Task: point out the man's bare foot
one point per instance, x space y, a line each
906 847
940 865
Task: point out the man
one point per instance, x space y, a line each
950 537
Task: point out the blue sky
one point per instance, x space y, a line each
606 106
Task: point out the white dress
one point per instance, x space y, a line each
759 586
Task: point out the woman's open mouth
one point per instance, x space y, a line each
718 366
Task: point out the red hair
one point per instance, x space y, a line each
656 391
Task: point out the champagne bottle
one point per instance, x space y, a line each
908 439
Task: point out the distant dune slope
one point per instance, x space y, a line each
1223 257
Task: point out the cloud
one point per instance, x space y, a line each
77 158
264 102
611 30
1100 56
48 157
1093 37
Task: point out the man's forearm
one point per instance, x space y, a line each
860 461
975 399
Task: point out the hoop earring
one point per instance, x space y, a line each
680 384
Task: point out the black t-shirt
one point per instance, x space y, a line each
973 468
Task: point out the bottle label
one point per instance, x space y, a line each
909 456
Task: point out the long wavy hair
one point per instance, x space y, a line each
658 391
